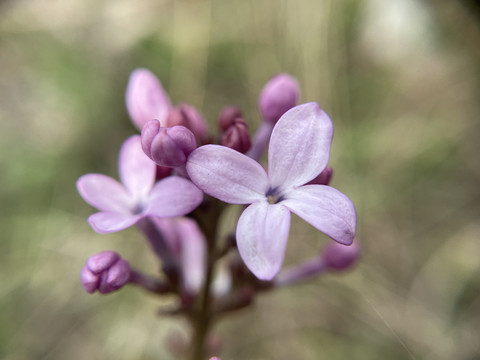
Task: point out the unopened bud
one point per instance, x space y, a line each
237 136
280 94
146 99
228 116
340 257
324 177
186 115
105 272
168 147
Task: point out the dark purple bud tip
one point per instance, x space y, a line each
341 257
168 147
227 117
105 272
280 94
186 115
237 136
324 178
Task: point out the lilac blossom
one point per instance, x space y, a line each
298 152
105 272
123 204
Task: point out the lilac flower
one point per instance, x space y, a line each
123 205
298 151
105 272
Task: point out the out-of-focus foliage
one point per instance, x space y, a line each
401 82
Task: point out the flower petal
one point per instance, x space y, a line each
299 146
262 234
227 174
325 208
173 196
137 171
104 193
146 100
106 222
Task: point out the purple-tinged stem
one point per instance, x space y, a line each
160 247
148 282
260 141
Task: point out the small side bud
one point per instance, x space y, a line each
186 115
105 272
237 136
167 147
227 117
339 257
324 178
280 94
146 99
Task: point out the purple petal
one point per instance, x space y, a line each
262 234
146 100
104 193
137 171
325 208
173 196
118 274
227 174
107 222
89 280
102 261
299 146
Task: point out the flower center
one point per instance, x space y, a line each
274 196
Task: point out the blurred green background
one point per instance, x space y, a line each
400 80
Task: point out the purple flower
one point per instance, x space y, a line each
123 205
105 272
298 151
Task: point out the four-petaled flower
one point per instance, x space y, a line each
298 151
123 205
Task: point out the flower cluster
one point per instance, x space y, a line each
176 179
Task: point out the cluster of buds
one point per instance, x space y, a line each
175 184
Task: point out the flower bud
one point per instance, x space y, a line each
280 94
105 272
227 117
323 178
186 115
237 136
339 257
146 99
168 147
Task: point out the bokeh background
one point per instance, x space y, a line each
400 80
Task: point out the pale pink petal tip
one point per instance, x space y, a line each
145 98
